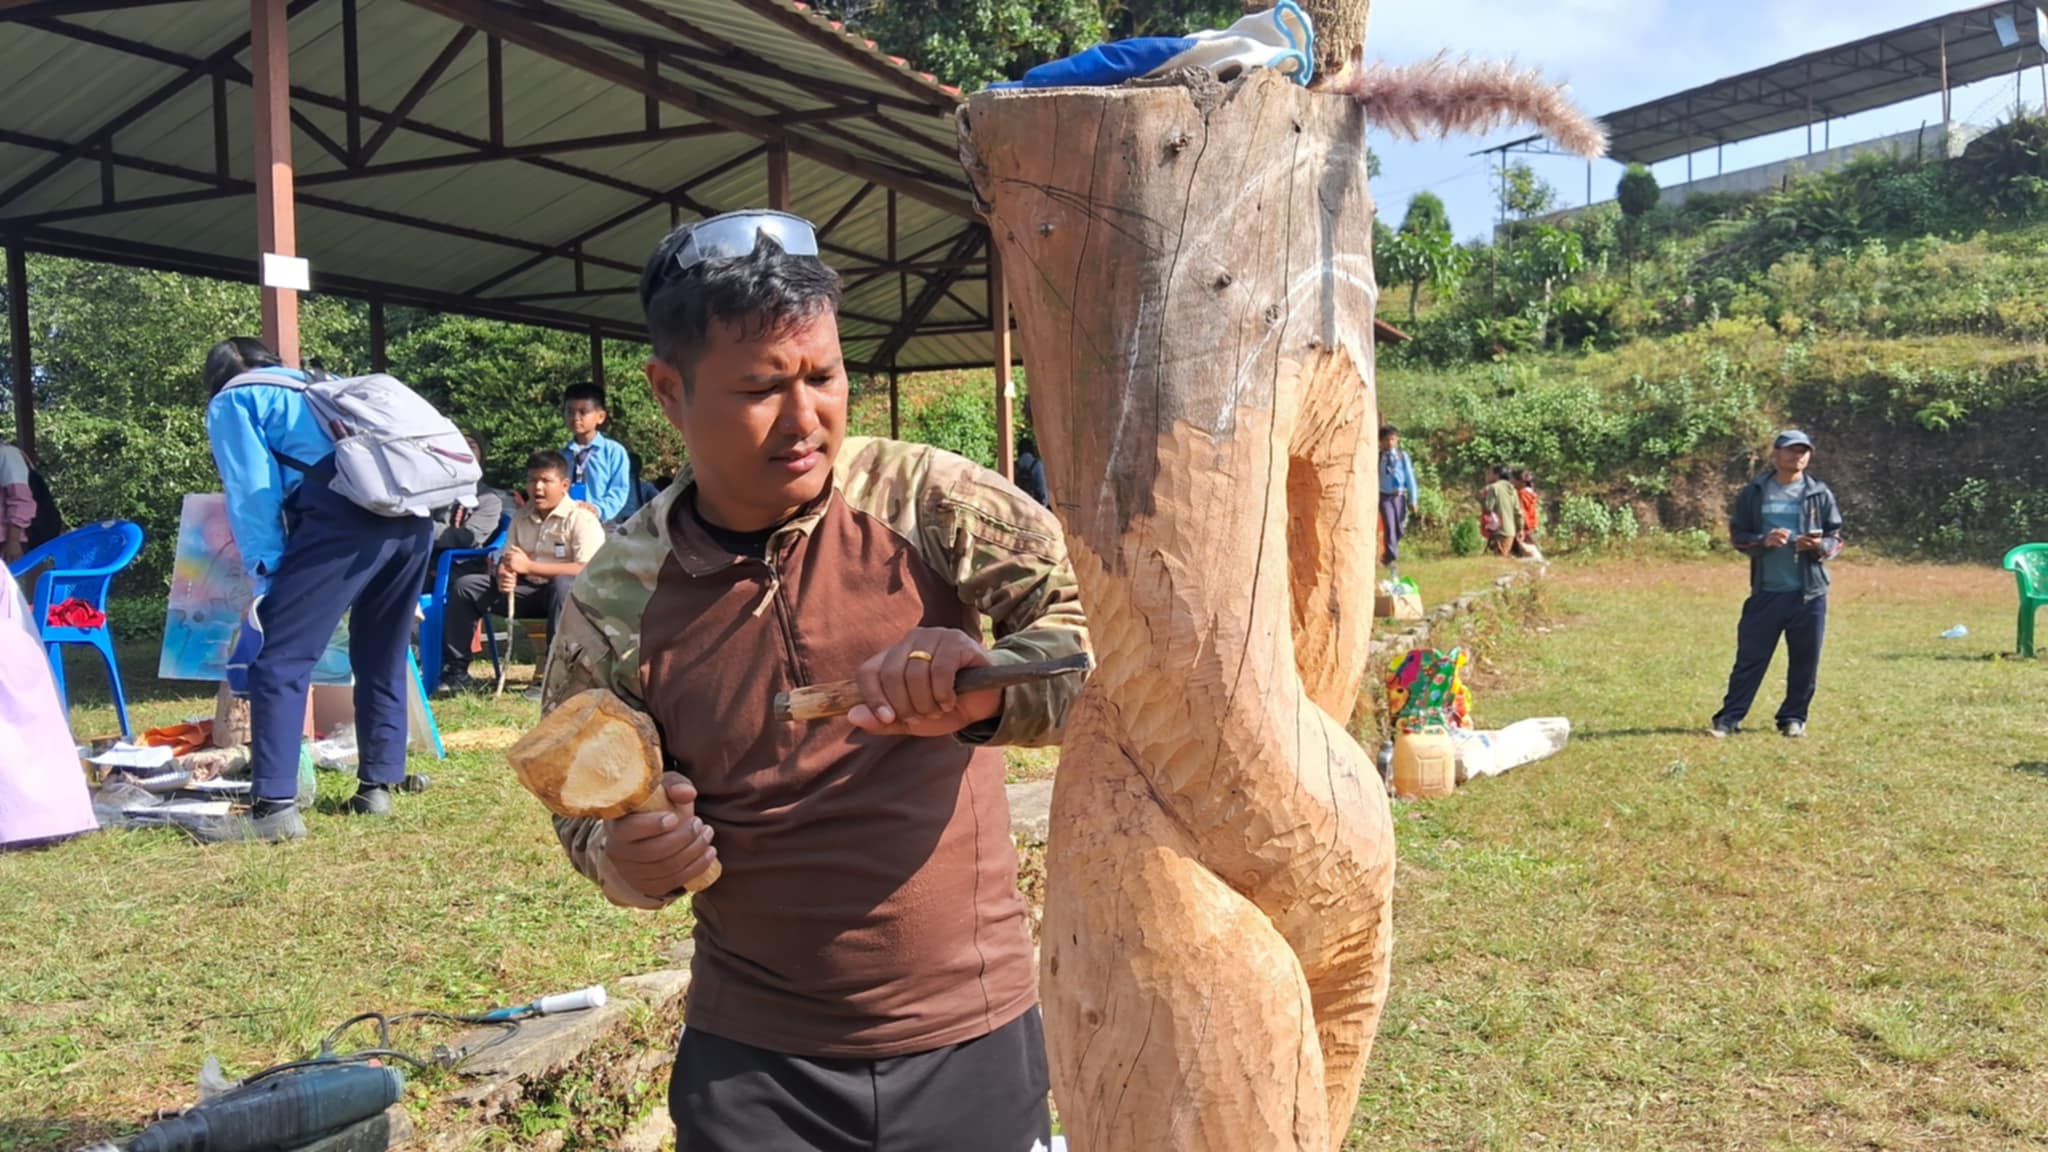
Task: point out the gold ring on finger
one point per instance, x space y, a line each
920 654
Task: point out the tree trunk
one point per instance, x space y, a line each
1340 31
1191 269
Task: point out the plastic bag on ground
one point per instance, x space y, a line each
1523 742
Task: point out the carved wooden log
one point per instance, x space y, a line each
1340 31
230 719
1192 273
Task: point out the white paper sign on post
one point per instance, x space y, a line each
291 272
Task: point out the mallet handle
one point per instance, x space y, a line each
657 801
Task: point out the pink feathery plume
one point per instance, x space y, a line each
1439 96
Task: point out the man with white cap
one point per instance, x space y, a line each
1789 524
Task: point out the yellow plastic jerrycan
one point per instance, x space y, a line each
1425 764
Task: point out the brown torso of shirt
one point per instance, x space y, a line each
868 906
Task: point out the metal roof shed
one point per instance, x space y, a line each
1934 55
515 159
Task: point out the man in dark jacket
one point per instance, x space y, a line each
1789 524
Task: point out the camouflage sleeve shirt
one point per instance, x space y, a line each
907 536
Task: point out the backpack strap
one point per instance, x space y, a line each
276 378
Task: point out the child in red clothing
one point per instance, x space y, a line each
1525 491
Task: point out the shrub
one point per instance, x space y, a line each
1431 505
963 422
1583 521
1466 539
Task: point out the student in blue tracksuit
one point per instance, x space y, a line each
599 472
1398 493
312 556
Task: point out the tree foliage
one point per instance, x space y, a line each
1418 257
1426 213
1638 192
973 43
1523 193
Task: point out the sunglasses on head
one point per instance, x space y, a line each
736 234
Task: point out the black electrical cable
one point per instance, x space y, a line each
442 1057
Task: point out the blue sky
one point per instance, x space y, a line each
1616 53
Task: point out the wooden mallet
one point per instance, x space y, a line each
822 701
594 757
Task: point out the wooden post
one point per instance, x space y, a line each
1218 920
379 361
21 354
895 408
778 177
1006 389
276 226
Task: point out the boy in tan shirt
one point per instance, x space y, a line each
550 541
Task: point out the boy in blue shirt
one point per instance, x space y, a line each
599 472
312 555
1397 493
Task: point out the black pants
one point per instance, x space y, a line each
476 595
986 1095
1765 617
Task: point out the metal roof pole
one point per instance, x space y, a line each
276 226
1006 390
379 361
597 357
778 176
1944 89
23 362
1809 107
895 406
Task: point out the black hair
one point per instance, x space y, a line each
1027 444
548 460
764 293
1387 430
232 357
587 390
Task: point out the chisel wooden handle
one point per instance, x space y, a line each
822 701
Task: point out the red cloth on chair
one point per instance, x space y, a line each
75 613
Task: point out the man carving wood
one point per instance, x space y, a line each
863 975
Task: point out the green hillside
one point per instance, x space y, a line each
1895 309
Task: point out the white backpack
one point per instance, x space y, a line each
394 453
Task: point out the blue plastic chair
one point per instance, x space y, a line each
83 562
434 606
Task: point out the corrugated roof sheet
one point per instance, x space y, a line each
109 117
1870 73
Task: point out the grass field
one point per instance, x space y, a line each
1654 940
1657 940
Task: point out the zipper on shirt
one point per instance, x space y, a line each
785 622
